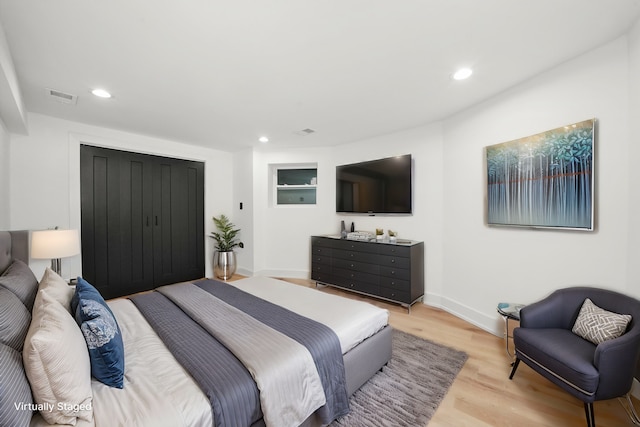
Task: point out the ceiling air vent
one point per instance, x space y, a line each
305 132
65 98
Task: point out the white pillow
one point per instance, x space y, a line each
56 361
56 287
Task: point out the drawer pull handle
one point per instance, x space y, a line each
393 261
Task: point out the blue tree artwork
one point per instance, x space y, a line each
544 180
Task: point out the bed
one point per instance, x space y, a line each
47 372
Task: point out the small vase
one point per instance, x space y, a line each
224 264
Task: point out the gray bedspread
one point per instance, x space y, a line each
234 397
232 391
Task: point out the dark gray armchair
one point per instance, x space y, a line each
545 342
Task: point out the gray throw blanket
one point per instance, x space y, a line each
186 342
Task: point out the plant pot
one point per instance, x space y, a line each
224 264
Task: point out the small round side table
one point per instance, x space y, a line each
509 311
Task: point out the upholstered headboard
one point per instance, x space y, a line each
13 245
18 287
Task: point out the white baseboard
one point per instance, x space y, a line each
293 274
244 272
492 324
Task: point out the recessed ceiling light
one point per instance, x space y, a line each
263 139
462 73
101 93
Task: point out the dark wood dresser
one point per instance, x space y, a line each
390 271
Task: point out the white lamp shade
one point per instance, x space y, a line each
47 244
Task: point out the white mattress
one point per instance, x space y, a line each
159 392
353 321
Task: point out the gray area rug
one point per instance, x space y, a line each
409 389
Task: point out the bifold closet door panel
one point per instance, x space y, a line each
116 233
136 236
178 233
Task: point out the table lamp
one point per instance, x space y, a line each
54 244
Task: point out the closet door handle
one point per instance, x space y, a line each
147 220
156 220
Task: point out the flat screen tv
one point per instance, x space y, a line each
380 186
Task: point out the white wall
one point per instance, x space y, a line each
282 233
633 155
4 178
243 218
13 113
484 265
45 176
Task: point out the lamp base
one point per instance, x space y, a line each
56 265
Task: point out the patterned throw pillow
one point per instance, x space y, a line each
101 333
598 325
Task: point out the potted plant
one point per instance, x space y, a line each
224 259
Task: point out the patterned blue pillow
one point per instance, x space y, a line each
101 332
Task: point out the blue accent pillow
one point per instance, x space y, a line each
101 332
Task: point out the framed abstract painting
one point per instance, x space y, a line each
544 180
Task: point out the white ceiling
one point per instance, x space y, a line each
222 73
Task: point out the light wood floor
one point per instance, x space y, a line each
482 394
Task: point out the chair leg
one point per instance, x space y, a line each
515 366
588 411
630 409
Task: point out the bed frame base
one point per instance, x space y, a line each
361 363
367 358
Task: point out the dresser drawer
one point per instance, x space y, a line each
399 273
357 276
367 288
402 251
394 261
395 283
321 250
322 241
395 295
321 259
356 266
353 245
352 255
321 273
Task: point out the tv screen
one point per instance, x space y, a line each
375 187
